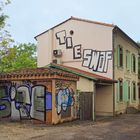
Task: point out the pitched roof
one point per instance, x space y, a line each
115 27
78 19
38 73
82 73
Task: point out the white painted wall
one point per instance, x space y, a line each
88 35
104 100
85 85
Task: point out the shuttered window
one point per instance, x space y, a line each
133 61
129 90
128 60
133 91
125 91
120 91
120 56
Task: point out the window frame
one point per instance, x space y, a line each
120 56
128 59
120 90
133 61
134 91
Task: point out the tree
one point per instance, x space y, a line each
5 37
13 57
19 57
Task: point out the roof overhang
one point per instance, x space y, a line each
38 74
117 29
81 73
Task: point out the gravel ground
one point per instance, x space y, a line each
124 127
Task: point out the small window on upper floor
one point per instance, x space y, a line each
133 61
120 56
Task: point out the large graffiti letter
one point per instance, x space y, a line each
23 101
94 60
38 104
14 111
87 57
61 36
108 57
77 52
101 62
69 44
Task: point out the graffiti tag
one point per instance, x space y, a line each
95 60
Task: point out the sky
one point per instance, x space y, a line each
28 18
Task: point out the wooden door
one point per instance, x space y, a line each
85 105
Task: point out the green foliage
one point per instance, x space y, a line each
13 57
19 57
5 37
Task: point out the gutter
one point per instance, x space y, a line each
71 71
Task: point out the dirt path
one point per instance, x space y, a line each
125 127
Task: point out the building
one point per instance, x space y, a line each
50 95
44 95
94 92
98 48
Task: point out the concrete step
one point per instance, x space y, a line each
132 110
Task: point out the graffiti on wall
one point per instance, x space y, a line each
94 60
68 42
23 100
64 98
4 103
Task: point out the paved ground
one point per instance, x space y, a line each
124 127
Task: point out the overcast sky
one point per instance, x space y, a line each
28 18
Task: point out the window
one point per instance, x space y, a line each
129 90
133 90
128 64
120 90
133 63
139 93
120 56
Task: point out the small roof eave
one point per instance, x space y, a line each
82 74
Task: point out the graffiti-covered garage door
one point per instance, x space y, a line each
39 104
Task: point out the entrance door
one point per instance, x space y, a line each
85 105
39 103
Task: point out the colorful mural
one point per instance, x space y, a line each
5 105
64 97
94 60
21 100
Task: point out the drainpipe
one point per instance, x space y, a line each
94 102
113 63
